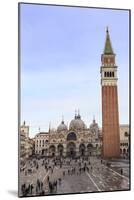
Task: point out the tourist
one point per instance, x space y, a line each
121 171
59 181
31 188
48 179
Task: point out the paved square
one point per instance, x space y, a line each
73 176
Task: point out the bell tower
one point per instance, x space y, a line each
110 114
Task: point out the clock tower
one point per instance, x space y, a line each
110 113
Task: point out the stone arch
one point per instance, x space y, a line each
71 136
60 149
89 149
124 151
52 150
82 149
44 152
71 149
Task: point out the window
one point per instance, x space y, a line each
71 136
105 74
108 74
126 134
124 151
112 74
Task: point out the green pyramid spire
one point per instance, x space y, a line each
108 47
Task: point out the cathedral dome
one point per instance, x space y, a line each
62 127
77 123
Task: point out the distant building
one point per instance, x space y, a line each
22 147
75 141
26 143
124 140
41 143
25 129
29 146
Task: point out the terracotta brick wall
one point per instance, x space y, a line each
110 122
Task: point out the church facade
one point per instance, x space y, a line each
73 141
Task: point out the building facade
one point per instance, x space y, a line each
124 140
26 143
22 147
110 114
75 141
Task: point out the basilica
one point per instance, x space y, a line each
73 141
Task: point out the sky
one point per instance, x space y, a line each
60 60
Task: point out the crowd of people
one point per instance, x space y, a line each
49 185
26 189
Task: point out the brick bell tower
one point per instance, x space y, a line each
110 114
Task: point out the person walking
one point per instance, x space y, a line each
59 181
121 171
48 179
31 188
41 185
56 184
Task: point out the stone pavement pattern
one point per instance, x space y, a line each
97 178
